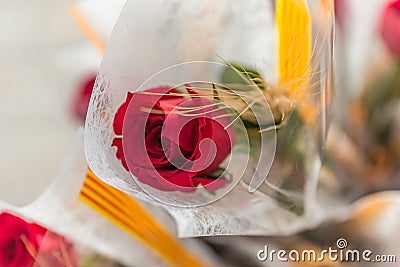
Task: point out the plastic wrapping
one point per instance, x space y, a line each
181 44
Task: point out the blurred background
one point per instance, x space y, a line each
45 57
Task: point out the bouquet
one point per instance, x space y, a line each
220 120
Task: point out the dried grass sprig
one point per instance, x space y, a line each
299 78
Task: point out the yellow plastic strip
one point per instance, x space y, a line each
86 28
129 215
294 25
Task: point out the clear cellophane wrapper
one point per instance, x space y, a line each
157 43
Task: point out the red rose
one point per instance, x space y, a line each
168 150
21 243
390 27
56 251
14 233
82 98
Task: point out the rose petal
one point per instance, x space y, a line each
390 27
120 115
117 142
180 182
222 139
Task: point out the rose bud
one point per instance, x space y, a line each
390 27
168 150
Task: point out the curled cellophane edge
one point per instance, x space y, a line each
59 209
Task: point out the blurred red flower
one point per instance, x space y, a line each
23 243
82 98
340 10
390 27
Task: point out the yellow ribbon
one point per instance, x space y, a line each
294 25
128 214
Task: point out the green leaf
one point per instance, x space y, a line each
232 75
